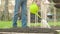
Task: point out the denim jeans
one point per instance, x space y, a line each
23 4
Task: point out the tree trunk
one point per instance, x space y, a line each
6 12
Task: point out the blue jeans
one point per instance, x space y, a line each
23 4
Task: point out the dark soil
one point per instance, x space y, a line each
32 30
28 30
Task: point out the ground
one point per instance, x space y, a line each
8 24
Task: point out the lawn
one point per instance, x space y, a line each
8 24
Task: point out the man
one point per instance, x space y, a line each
23 4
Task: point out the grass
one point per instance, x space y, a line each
8 24
5 24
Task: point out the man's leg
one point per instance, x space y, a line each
24 14
17 7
